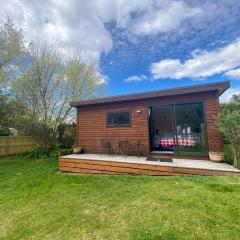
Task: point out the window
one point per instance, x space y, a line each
119 119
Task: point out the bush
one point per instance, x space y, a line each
229 124
31 126
54 151
61 152
228 154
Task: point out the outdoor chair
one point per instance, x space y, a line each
133 147
106 147
123 146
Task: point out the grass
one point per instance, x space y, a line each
38 202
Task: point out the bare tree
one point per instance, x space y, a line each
51 80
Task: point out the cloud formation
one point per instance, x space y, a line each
163 18
82 24
72 24
233 73
135 78
202 64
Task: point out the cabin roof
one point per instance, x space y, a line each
220 87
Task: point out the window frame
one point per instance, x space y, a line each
119 125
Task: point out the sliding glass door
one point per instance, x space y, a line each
162 128
177 128
189 128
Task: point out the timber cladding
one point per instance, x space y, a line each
82 165
91 121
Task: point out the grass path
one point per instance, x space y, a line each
38 202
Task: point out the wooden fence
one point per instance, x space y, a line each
17 144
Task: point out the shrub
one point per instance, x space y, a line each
54 151
228 154
229 124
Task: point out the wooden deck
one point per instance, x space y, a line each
106 164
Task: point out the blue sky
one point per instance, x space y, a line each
141 45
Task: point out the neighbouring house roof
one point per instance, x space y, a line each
220 87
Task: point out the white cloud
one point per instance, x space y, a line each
135 78
72 24
81 24
163 18
202 64
102 79
233 73
227 96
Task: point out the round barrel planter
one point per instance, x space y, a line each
216 156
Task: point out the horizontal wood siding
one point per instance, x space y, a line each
212 108
92 127
111 167
91 122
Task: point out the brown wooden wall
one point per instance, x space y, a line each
91 122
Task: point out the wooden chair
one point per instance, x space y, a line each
105 146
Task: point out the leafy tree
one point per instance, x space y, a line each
229 125
49 81
37 83
11 47
11 111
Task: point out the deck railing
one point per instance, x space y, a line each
17 144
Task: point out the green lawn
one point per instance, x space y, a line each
38 202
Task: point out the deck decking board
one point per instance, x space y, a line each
114 169
99 166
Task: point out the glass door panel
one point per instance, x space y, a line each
189 128
162 128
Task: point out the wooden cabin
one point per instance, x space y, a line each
171 122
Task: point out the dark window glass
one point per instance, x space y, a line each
190 133
118 119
